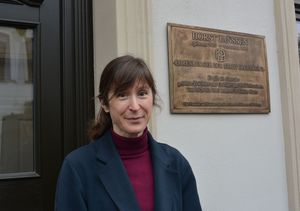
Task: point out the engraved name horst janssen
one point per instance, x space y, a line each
218 72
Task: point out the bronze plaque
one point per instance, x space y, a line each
217 71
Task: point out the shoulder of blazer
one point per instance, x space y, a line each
87 154
168 155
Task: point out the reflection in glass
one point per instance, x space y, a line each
16 100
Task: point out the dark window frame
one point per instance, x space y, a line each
35 26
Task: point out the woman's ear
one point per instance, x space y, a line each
104 107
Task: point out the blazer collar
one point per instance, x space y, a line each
166 178
113 175
115 179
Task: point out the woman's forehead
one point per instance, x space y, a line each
138 84
141 84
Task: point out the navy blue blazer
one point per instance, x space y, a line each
93 178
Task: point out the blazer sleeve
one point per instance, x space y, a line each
69 191
189 191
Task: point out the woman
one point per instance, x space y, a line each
124 168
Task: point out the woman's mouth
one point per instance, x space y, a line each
133 118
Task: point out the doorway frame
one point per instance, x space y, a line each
288 61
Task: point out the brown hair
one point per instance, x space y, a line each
119 75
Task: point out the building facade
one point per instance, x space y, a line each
52 53
241 161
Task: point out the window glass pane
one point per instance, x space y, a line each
16 100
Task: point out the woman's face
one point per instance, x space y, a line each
130 110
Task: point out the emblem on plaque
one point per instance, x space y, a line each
220 54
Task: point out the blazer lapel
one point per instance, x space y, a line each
166 179
113 175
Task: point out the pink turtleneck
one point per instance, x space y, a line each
135 154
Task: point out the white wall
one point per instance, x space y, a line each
238 160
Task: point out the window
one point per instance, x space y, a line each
16 100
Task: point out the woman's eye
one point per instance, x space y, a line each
121 95
142 93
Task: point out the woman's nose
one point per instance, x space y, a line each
133 103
